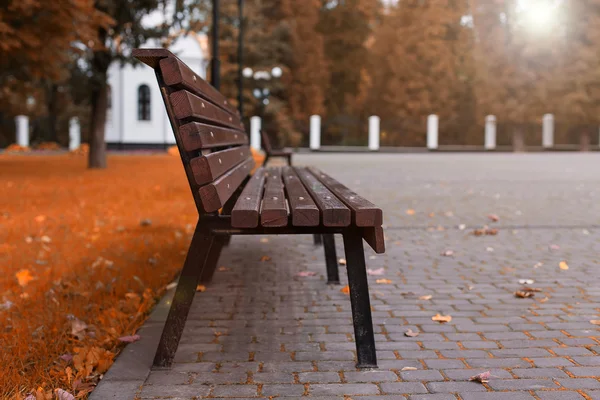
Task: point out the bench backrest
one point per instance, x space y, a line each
208 130
266 142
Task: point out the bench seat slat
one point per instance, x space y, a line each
374 237
214 195
195 135
333 211
364 213
177 74
211 166
246 212
274 211
302 207
187 105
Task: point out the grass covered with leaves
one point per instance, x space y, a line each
84 254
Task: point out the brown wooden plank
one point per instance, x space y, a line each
274 211
374 237
214 195
211 166
333 211
195 135
302 207
245 213
266 142
180 76
151 57
187 105
364 213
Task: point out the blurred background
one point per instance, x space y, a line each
344 60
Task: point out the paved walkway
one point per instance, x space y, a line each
260 331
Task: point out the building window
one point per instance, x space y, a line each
144 103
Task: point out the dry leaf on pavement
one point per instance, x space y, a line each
410 211
342 261
526 281
563 265
306 273
200 288
441 318
523 294
483 377
345 289
408 369
379 271
427 297
595 322
493 218
448 253
411 333
265 258
384 281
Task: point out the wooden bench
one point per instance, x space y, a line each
285 200
270 152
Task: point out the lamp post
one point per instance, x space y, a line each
241 58
215 74
261 80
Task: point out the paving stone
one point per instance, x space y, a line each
560 395
370 376
403 387
234 391
422 375
539 373
522 384
319 377
579 383
283 390
497 396
344 389
455 387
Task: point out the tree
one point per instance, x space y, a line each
114 43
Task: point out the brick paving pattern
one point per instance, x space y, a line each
260 331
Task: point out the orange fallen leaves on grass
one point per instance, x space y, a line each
24 277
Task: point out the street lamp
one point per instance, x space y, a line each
261 79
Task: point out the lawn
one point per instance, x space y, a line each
84 254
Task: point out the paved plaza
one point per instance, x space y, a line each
262 331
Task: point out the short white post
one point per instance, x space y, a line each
74 134
315 132
548 131
432 132
374 133
255 125
490 132
22 125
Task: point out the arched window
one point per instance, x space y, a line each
144 103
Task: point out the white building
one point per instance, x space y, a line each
136 116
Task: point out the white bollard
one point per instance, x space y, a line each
374 123
22 125
74 134
490 132
315 132
432 132
255 125
548 131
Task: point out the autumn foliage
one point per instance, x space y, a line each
83 257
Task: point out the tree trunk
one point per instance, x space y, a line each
518 139
97 155
585 140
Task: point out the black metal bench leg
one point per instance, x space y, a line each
184 294
317 239
289 160
333 276
359 299
213 258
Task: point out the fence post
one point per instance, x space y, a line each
255 126
74 134
490 132
22 125
374 133
548 131
432 132
315 132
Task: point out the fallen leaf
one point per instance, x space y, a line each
345 289
441 318
545 299
222 269
63 395
342 261
431 215
383 281
78 328
410 333
523 294
129 339
462 227
306 273
200 288
66 357
265 258
379 271
24 277
46 239
493 218
408 369
489 249
526 281
554 247
595 322
410 211
537 265
563 265
40 218
530 289
448 253
146 222
264 240
427 297
483 377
